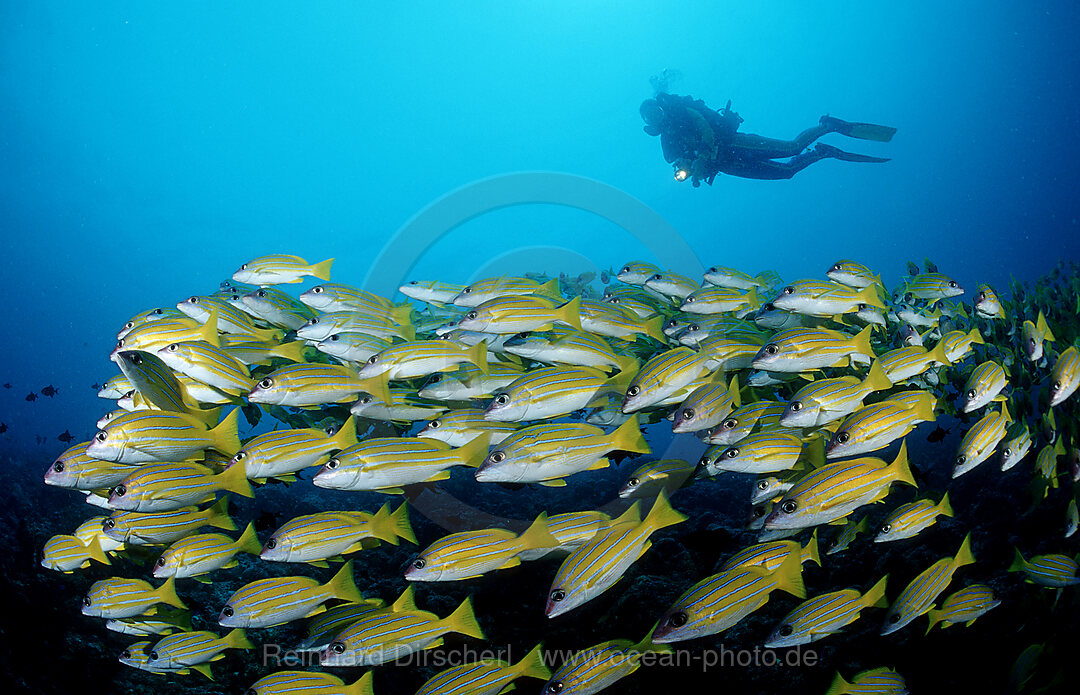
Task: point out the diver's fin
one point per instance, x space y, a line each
837 153
862 131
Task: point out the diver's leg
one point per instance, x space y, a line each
770 170
771 148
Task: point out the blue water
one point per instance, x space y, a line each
148 149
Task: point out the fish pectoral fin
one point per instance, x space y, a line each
508 688
557 482
391 490
600 463
202 579
319 563
435 644
512 562
441 475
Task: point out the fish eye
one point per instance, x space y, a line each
314 321
772 349
334 338
502 399
795 406
266 383
174 347
693 327
109 523
730 424
467 290
318 289
785 630
419 563
885 528
271 544
961 460
228 611
971 393
58 467
952 283
614 300
633 482
129 324
982 296
120 343
690 299
373 359
836 267
338 647
894 618
731 453
843 437
243 267
101 436
657 276
763 485
554 687
1007 453
789 507
333 463
135 358
677 619
240 456
365 399
1056 386
558 595
161 561
627 270
434 425
633 391
704 461
435 378
86 602
119 490
126 654
688 413
471 315
260 293
789 290
497 456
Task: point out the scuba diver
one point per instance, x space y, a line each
701 143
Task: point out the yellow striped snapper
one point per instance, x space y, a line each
230 319
352 347
649 479
400 406
823 615
1054 571
277 308
548 453
981 439
136 657
254 352
918 596
154 335
476 293
909 519
147 316
595 566
193 556
764 452
107 418
610 321
282 453
909 362
718 300
574 529
847 535
163 622
322 328
431 291
155 435
385 464
1066 376
472 553
310 683
769 488
591 670
92 530
662 376
919 317
550 392
1016 445
727 353
334 296
825 400
1033 335
118 597
562 346
824 299
279 600
486 677
852 274
768 317
76 470
469 383
518 313
722 600
671 284
187 649
458 427
637 272
210 365
837 489
280 268
707 406
69 553
987 304
964 606
876 681
116 387
158 386
743 420
643 306
696 333
983 385
162 487
805 349
876 426
306 385
383 636
870 315
735 279
136 528
315 538
932 287
958 343
421 358
771 555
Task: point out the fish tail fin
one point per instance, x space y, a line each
362 686
944 507
654 328
628 437
209 330
733 391
322 270
401 314
964 556
292 351
860 344
96 553
632 515
248 541
218 515
788 576
1019 564
839 686
875 595
463 620
753 298
938 354
405 602
900 467
570 313
1043 328
876 379
237 639
473 452
550 289
538 535
924 407
234 479
166 593
532 664
478 355
402 526
268 335
628 363
810 552
869 295
975 336
935 616
663 514
408 331
379 386
346 434
381 527
343 585
225 436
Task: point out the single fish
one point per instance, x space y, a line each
472 553
919 595
117 597
279 600
194 556
964 606
909 519
280 268
487 676
823 615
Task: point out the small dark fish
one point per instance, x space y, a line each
50 391
929 265
937 435
7 385
31 396
3 427
605 278
66 437
96 387
912 269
